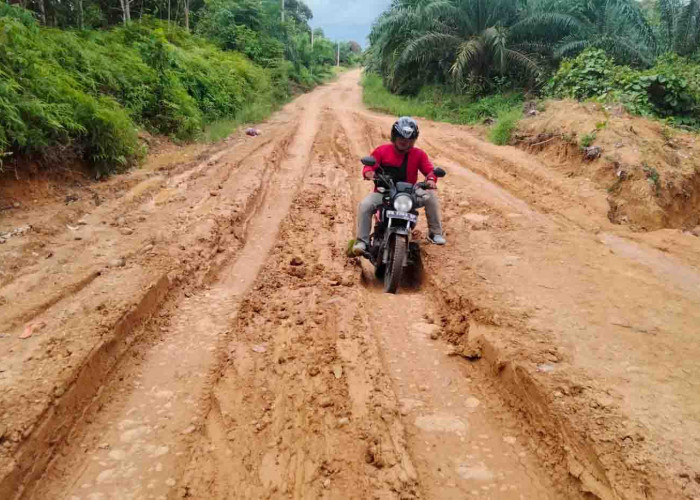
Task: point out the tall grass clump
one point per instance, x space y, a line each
506 123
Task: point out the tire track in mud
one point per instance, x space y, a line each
300 382
593 416
463 440
149 421
301 407
72 369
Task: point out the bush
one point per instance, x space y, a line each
92 90
506 123
670 89
42 104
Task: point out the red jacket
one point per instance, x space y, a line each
387 156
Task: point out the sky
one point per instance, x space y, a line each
346 20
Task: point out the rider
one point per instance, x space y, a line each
401 154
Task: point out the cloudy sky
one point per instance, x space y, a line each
346 19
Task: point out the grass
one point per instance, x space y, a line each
587 140
506 124
439 104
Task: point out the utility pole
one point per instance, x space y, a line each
282 4
312 38
337 60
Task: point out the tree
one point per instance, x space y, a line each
617 26
679 26
420 41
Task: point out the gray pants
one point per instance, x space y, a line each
373 201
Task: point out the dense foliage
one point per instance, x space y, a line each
65 88
645 54
669 89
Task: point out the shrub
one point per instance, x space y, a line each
587 140
92 90
506 123
670 89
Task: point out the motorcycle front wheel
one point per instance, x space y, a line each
394 268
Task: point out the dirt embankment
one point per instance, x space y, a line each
650 172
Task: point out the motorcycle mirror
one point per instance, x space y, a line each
439 172
369 161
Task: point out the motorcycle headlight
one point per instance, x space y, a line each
403 203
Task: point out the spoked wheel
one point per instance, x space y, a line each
394 268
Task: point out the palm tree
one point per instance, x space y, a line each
617 26
448 40
466 41
680 26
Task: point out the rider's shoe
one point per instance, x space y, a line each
437 239
359 248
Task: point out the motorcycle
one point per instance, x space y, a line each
391 249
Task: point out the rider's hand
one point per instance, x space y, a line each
369 175
431 184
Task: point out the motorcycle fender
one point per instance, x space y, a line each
400 230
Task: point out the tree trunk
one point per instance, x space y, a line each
282 4
187 14
80 14
42 12
126 13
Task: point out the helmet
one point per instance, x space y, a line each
405 127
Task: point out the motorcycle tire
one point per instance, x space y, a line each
394 269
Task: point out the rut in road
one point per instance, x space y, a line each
140 434
279 371
319 396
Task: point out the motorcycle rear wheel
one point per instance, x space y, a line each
394 268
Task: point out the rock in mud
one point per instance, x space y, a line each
472 349
695 231
119 262
592 153
126 231
296 261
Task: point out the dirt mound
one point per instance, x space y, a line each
650 171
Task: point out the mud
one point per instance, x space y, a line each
200 333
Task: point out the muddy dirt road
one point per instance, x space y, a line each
200 332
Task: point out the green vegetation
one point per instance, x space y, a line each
506 123
644 55
653 177
587 140
438 103
68 90
670 89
